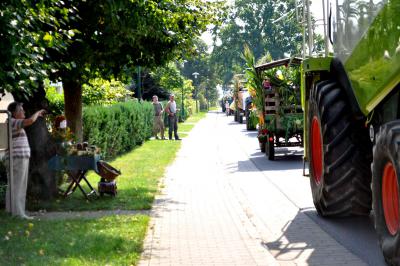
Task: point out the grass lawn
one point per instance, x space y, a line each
112 240
186 127
195 118
137 185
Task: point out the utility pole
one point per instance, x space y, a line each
138 91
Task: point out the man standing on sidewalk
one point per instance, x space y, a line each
158 124
172 118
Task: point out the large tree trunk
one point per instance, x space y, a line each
73 106
42 181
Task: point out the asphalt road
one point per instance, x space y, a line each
356 234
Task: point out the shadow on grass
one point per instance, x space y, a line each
116 239
137 198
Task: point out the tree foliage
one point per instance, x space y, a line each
207 79
75 41
104 92
25 28
78 40
96 92
254 82
113 36
55 99
169 77
258 24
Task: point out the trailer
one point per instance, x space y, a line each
239 97
283 114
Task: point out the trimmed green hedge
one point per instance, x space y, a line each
118 128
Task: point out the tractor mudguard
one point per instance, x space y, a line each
338 72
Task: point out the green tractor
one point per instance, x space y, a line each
351 102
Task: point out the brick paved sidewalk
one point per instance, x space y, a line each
217 208
196 220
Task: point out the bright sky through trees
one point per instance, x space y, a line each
316 9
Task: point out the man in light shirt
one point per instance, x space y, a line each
172 118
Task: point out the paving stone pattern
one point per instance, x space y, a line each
218 208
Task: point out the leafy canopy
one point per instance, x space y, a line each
76 40
257 24
115 36
27 29
104 92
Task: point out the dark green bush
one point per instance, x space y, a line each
118 128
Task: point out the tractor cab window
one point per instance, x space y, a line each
350 20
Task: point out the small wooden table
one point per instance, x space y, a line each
76 168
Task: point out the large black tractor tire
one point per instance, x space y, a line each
385 189
340 154
270 148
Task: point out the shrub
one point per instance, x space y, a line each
202 103
96 92
104 92
253 119
56 100
118 128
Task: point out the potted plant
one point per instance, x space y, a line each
262 138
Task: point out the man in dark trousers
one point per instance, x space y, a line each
172 118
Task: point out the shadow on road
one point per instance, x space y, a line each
284 160
252 134
356 234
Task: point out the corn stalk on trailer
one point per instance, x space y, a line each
280 114
351 99
239 93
